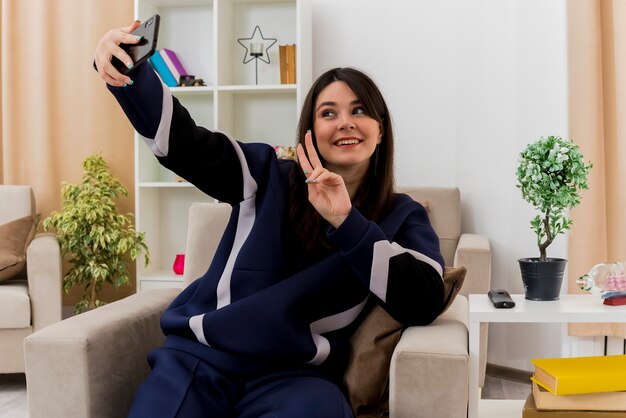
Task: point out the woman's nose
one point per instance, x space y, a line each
346 122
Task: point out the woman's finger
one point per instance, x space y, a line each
132 26
303 160
106 68
310 149
111 81
124 36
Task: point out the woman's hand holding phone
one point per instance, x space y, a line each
121 49
109 47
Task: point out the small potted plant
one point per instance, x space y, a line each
98 241
551 174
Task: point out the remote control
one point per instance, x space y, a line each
501 298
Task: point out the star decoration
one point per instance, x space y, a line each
256 38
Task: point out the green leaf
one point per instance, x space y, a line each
550 175
95 238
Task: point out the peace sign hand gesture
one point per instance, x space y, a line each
327 191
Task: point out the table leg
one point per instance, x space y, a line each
474 358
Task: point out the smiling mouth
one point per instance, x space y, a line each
347 141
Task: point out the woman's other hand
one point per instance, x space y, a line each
327 191
108 47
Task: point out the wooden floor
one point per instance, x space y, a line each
13 393
502 388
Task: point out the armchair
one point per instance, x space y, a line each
90 365
32 299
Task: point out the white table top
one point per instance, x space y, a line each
569 308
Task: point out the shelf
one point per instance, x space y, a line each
238 19
201 90
269 88
186 28
178 3
160 280
260 1
500 408
569 308
164 184
248 88
269 117
163 276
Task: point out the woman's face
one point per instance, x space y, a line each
346 137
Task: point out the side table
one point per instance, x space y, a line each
570 308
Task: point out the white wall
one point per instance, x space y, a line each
469 84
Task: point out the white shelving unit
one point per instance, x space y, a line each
204 34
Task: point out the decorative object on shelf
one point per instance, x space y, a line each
285 152
287 54
161 68
190 81
256 49
551 174
179 264
173 64
97 240
606 280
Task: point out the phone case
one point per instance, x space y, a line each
149 32
501 298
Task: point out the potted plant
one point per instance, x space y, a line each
551 174
98 241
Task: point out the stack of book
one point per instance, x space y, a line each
287 55
168 66
578 387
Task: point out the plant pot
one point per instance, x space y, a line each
542 279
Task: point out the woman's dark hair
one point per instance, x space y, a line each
374 195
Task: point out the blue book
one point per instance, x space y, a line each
161 67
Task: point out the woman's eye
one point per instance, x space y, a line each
327 113
358 111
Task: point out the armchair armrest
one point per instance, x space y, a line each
43 269
474 252
429 370
90 365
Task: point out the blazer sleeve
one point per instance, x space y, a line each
206 159
404 272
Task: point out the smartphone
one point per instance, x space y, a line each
149 32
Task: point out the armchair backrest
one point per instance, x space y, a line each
443 205
17 201
207 222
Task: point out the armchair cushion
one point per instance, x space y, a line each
14 305
367 376
14 239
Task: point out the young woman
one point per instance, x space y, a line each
265 332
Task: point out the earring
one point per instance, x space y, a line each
376 160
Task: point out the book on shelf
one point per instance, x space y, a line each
173 63
575 375
282 55
530 410
599 401
291 64
161 68
287 56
